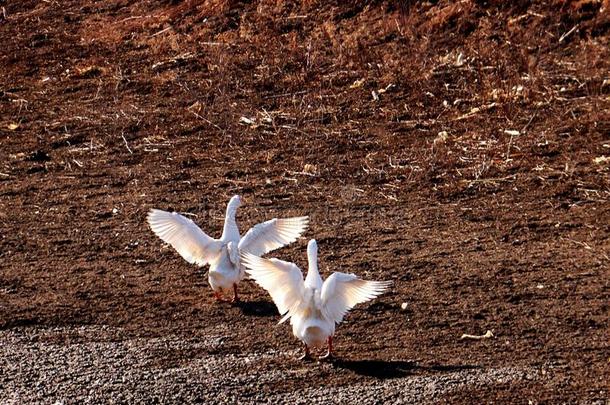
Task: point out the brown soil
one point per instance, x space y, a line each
460 149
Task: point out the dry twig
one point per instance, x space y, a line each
564 36
126 144
487 335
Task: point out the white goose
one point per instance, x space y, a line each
313 306
223 254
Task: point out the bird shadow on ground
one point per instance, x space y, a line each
257 308
387 369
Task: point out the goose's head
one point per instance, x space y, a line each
312 249
235 202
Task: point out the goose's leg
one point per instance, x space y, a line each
307 355
329 353
235 297
218 296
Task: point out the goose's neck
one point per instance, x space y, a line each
313 279
230 230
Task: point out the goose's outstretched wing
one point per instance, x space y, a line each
341 292
283 280
272 234
184 236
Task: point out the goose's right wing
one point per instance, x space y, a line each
341 292
273 234
184 236
283 280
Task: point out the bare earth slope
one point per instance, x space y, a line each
460 149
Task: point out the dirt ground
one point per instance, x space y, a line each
459 149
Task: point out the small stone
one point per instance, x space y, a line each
310 169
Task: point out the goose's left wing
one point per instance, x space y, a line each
283 280
194 245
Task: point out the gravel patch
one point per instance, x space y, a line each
102 365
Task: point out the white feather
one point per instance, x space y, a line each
184 236
272 234
283 280
341 292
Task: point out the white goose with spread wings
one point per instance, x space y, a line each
313 307
223 255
